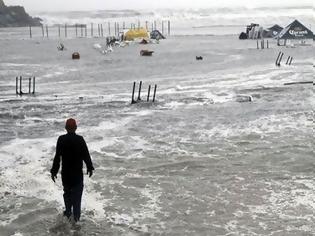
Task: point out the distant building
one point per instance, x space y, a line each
295 31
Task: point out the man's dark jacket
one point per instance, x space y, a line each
72 150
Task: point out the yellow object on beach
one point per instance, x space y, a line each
136 33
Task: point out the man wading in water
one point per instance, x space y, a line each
72 150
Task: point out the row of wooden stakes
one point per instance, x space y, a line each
279 58
133 100
19 83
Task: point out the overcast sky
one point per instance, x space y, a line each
66 5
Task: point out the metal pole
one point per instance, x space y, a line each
155 86
133 93
139 93
149 89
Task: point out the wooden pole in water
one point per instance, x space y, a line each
139 25
124 25
267 43
76 30
290 61
29 85
102 32
118 29
92 30
47 31
66 31
59 32
148 97
30 31
169 27
154 25
81 30
133 93
86 31
257 45
43 33
21 85
16 85
278 58
108 28
155 86
139 93
34 85
146 25
279 62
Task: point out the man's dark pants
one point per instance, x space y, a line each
72 197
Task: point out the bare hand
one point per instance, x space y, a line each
53 177
90 173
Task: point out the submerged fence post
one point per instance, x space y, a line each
108 28
34 85
76 30
290 61
257 45
21 85
139 93
66 33
47 31
155 86
133 93
149 89
169 27
267 43
279 62
102 32
30 31
16 85
29 85
59 33
92 30
278 58
43 32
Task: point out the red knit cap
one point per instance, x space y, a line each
71 124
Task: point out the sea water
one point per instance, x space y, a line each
196 162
